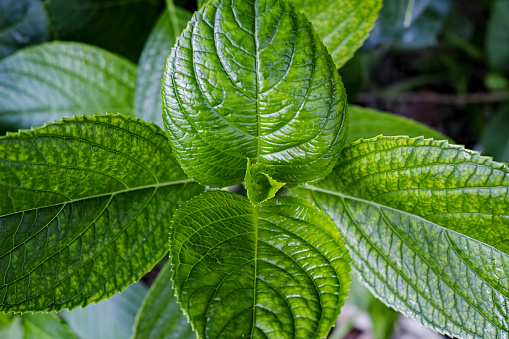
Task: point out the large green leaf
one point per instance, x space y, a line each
367 123
160 316
427 225
147 97
85 206
275 271
497 36
250 79
343 25
61 79
22 23
111 319
120 26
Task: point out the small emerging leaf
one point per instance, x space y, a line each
84 210
279 270
160 316
259 185
252 80
427 224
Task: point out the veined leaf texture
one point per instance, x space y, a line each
427 227
278 270
85 209
251 79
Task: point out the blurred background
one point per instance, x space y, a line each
444 63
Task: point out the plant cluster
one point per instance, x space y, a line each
250 95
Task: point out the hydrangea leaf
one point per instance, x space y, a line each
343 25
259 184
22 23
61 79
279 270
147 97
160 316
427 226
251 79
366 123
85 206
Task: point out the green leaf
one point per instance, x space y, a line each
367 123
427 225
147 97
410 23
84 210
120 26
259 185
343 25
279 270
497 36
160 316
45 326
250 79
61 79
112 319
22 23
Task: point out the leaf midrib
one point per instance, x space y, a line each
113 193
444 229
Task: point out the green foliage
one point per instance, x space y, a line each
342 25
367 123
279 270
251 86
118 25
251 95
160 316
22 23
147 97
60 79
425 223
84 210
259 185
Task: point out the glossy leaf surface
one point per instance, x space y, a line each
343 25
22 23
368 123
160 316
427 226
275 271
251 79
120 26
61 79
85 206
147 97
